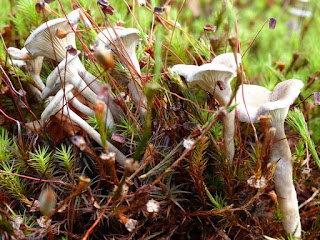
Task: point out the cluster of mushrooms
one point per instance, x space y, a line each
254 101
215 77
46 41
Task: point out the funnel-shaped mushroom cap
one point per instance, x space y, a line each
260 101
129 37
254 97
207 77
44 42
230 60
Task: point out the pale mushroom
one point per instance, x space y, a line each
59 104
122 42
67 72
255 101
44 42
215 78
33 66
230 60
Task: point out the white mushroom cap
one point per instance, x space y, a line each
44 42
254 97
260 101
78 15
207 76
230 60
185 70
20 54
129 37
33 65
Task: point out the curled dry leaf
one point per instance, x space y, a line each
44 222
118 138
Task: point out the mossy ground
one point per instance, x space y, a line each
200 195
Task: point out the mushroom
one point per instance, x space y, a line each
58 104
255 101
215 77
67 72
33 66
122 42
44 42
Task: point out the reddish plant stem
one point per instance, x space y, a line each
97 221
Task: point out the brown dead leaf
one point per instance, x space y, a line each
60 127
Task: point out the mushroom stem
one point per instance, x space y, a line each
120 157
138 96
90 80
287 196
79 106
228 135
95 85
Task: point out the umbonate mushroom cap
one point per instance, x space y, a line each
230 60
44 42
260 101
207 77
